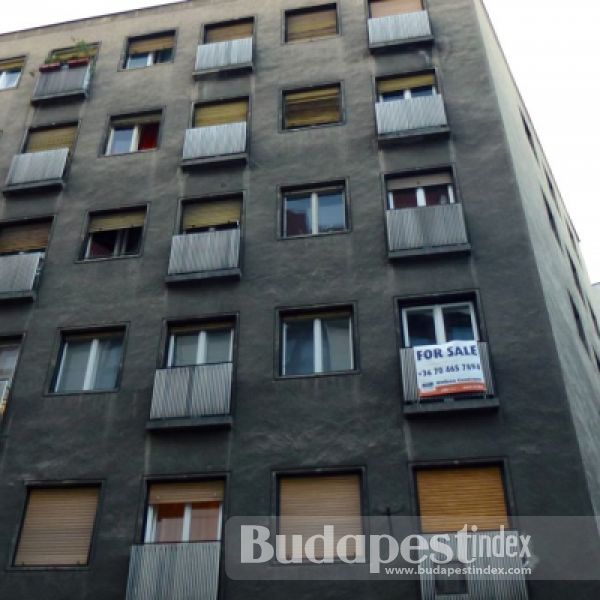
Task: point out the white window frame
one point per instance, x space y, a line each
407 93
317 346
120 244
7 381
314 209
150 532
421 198
201 348
4 77
149 60
133 146
438 319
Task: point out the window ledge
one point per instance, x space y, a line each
451 405
29 295
188 277
409 135
407 42
209 161
212 422
432 250
50 184
225 69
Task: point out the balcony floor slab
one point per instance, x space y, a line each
212 422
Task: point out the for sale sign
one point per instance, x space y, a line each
447 369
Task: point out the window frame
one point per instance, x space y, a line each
120 245
207 26
420 194
124 58
305 88
54 125
10 341
4 76
306 9
201 347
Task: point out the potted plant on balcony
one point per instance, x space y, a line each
82 54
52 63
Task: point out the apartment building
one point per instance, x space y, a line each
226 229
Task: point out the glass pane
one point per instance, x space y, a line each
109 362
436 194
298 216
8 361
337 350
404 199
9 79
421 91
135 61
421 327
148 136
169 522
204 526
391 96
121 140
185 350
133 240
218 345
162 56
332 213
458 323
299 347
74 364
102 244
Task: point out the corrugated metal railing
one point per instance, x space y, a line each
224 54
18 272
215 140
426 227
397 116
34 167
479 586
396 28
409 373
199 391
187 571
65 81
208 251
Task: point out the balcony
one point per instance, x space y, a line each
19 275
426 230
215 144
205 255
174 571
65 83
411 117
478 586
224 56
37 170
4 389
415 404
394 30
195 396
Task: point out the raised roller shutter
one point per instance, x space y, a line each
221 113
417 181
198 215
229 31
24 237
313 107
310 24
152 44
11 64
122 219
385 8
395 84
188 492
51 139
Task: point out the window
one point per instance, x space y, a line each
551 219
315 106
201 344
221 113
314 211
439 324
317 343
575 275
75 56
212 215
385 8
89 362
450 497
24 236
406 87
150 50
10 72
184 512
58 527
51 138
112 234
224 32
9 354
420 190
304 501
310 24
529 135
578 323
133 134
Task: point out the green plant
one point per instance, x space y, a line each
83 49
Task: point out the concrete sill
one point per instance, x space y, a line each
211 161
28 296
50 184
407 42
73 95
225 70
411 135
433 250
213 422
188 277
451 405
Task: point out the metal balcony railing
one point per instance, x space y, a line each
191 392
19 272
399 28
188 571
398 116
215 140
38 167
4 389
224 55
426 227
409 374
204 252
65 82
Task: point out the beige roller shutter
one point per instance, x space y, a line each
211 213
221 113
12 63
74 52
313 107
122 219
51 139
309 24
58 527
395 84
307 504
385 8
152 44
197 327
411 183
451 497
133 120
329 314
183 492
229 31
24 237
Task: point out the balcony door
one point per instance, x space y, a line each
200 345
